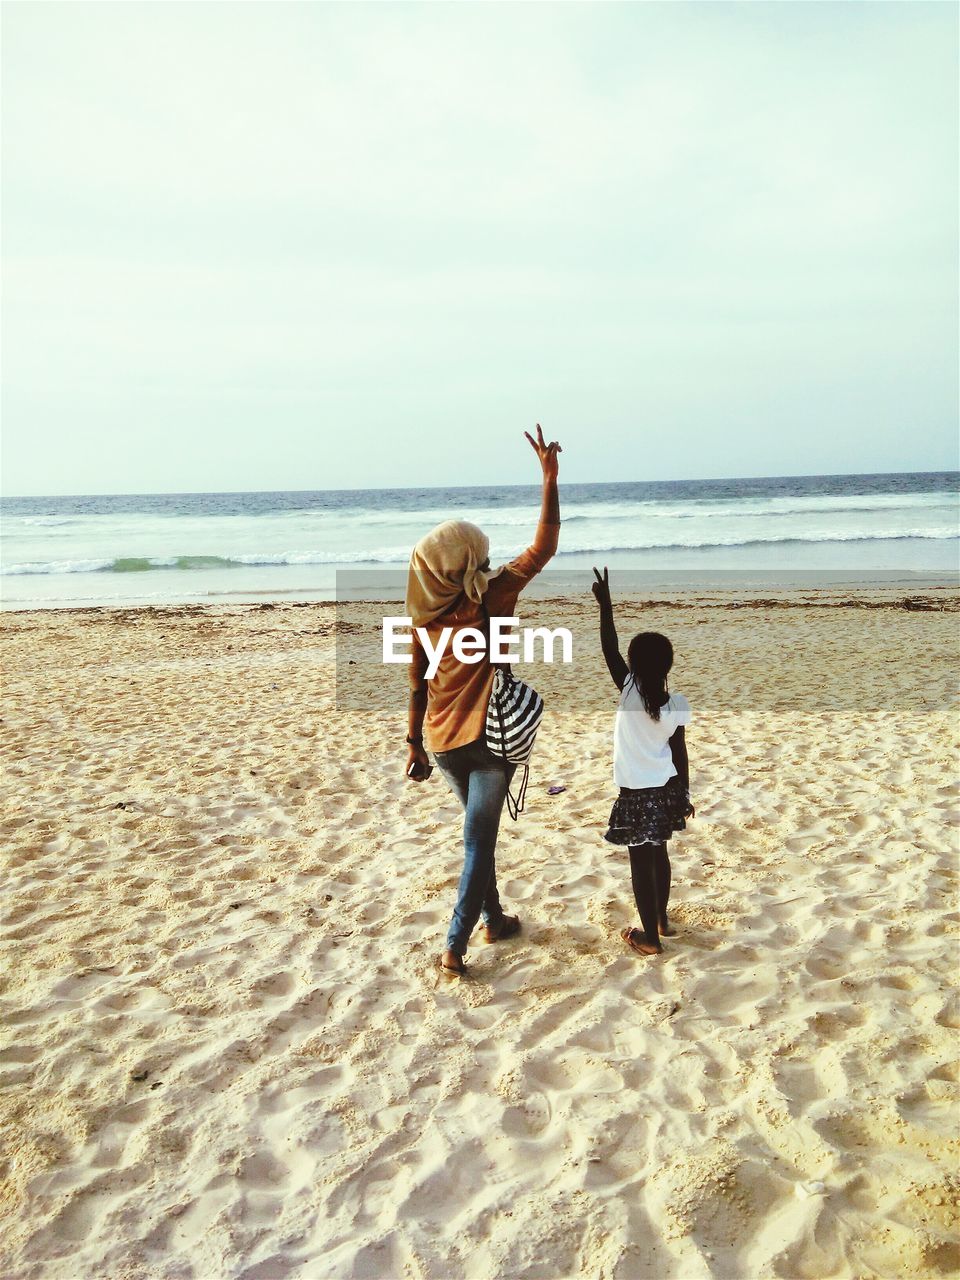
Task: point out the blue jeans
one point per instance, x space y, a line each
479 781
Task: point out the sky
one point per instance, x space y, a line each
311 245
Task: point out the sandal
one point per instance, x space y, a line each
636 942
506 927
449 971
667 930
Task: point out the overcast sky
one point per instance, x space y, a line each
270 246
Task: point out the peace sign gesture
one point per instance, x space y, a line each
547 453
601 588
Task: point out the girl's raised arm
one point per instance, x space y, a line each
608 632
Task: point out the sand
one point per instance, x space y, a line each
227 1053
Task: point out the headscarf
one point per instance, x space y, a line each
445 564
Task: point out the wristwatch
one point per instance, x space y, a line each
414 742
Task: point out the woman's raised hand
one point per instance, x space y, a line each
601 588
547 453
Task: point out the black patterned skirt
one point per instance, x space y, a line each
649 815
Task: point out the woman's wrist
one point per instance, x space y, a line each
550 504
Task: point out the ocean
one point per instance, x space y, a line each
58 552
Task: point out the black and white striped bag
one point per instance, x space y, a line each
514 713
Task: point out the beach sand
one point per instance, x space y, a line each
228 1053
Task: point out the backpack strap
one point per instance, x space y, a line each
514 803
485 629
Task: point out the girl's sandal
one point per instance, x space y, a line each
634 940
449 971
667 930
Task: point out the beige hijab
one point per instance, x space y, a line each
445 564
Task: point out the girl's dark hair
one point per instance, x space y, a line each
650 657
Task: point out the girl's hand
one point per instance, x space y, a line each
418 767
689 811
547 453
601 588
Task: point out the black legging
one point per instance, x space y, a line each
650 873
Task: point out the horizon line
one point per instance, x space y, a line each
193 493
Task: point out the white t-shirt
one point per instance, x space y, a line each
641 745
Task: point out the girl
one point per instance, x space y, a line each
649 766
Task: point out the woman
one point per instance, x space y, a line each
451 584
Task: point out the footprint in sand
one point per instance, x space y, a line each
527 1119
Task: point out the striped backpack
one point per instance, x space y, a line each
514 713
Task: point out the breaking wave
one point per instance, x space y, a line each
400 554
